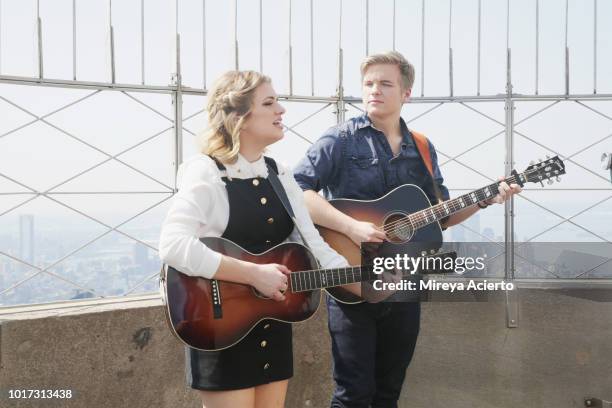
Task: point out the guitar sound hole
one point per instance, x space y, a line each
397 228
259 294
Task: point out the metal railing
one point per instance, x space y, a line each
340 102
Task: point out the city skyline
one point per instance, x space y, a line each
114 264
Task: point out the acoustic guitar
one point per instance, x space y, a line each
210 314
411 223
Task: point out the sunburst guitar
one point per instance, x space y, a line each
210 314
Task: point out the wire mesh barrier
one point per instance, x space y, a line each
100 102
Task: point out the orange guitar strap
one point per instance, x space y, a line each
423 147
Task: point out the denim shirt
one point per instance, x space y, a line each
354 160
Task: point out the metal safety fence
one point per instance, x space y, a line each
509 124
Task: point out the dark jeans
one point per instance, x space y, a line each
372 345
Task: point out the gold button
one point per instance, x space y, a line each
268 241
263 200
263 343
266 366
255 182
270 220
267 326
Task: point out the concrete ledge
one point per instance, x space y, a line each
124 355
74 307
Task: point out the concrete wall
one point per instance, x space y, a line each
124 356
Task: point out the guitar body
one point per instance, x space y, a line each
398 203
200 322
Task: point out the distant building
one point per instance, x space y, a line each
26 239
489 234
473 233
575 263
458 233
140 254
468 230
82 294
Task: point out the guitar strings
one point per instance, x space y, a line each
419 216
327 272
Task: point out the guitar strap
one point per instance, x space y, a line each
282 195
423 147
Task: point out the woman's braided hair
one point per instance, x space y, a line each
229 103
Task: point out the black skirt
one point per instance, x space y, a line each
263 356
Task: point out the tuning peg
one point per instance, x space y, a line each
540 159
532 163
549 181
558 179
547 156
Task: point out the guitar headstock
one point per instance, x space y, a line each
552 167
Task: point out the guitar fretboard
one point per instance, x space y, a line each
326 278
436 212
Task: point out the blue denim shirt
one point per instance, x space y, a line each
354 160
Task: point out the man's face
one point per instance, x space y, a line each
382 91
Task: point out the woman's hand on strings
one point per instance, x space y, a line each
271 280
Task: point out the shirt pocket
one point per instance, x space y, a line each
363 162
364 178
408 172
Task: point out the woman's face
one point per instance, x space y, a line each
264 125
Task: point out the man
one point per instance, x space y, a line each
365 158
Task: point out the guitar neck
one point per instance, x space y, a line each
326 278
444 209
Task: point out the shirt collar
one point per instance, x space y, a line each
364 121
243 169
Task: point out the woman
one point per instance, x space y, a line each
225 192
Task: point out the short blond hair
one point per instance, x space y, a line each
391 57
230 101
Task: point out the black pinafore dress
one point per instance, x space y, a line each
257 222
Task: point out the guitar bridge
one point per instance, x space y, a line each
216 303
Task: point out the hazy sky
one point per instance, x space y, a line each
41 156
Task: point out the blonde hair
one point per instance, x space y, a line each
230 101
391 57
